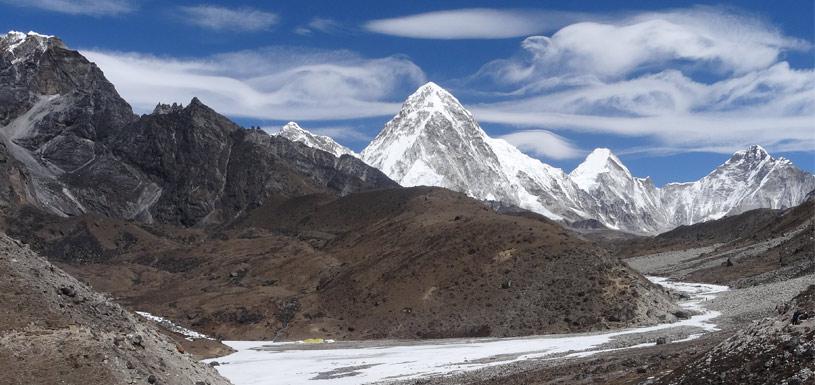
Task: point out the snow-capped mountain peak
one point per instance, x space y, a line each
432 96
435 141
750 179
599 161
292 131
15 41
431 121
752 154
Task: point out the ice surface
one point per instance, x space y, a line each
258 362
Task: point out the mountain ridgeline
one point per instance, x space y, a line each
74 146
435 141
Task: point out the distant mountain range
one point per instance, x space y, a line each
77 148
435 141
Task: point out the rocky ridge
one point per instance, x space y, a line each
74 146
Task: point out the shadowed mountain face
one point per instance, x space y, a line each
76 147
210 170
57 109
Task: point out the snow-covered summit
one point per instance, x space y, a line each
292 131
599 161
754 153
14 40
435 141
430 96
619 199
750 179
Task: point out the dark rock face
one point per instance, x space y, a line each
84 105
56 110
211 170
186 153
78 148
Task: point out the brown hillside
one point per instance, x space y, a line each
398 263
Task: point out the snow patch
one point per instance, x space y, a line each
292 131
170 325
15 38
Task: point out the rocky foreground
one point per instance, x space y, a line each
56 330
774 350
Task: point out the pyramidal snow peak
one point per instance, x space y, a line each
435 141
292 131
599 161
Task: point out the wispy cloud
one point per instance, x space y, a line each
79 7
637 77
275 83
348 133
218 18
713 38
472 23
321 24
543 143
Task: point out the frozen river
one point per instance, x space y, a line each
362 362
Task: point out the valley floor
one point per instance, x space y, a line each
460 360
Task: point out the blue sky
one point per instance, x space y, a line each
672 87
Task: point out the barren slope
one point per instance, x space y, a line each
55 329
399 263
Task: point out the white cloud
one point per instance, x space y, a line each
716 38
636 77
320 24
79 7
242 19
543 143
272 83
472 23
